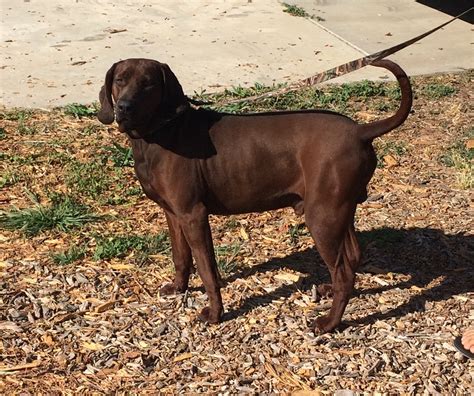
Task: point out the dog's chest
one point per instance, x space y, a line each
145 164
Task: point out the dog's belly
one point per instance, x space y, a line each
236 190
217 206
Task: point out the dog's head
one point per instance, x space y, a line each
140 94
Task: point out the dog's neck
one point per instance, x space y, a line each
185 134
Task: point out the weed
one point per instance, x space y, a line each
25 129
3 133
382 107
19 159
90 129
295 10
78 110
380 237
9 179
225 257
134 191
437 91
394 148
122 197
16 115
457 153
71 255
121 156
119 246
461 157
335 97
21 116
365 89
89 179
465 171
231 223
56 157
296 231
62 214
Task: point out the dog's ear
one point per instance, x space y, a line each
173 100
106 112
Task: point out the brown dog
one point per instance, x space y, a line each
199 162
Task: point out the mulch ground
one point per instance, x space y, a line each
99 325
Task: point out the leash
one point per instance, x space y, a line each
331 73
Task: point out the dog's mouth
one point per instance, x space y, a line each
126 125
124 121
121 117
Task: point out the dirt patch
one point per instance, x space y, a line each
80 310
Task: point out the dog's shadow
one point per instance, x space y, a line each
423 254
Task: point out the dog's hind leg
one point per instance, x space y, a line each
333 231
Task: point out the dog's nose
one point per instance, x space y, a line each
124 106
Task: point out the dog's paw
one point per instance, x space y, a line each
170 289
324 290
323 325
209 316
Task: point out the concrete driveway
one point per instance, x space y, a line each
57 52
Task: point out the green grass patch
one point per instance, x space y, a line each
437 91
295 10
381 237
231 223
334 97
3 133
89 179
90 129
69 256
296 231
27 129
20 159
225 257
21 116
16 115
9 179
122 245
119 155
62 214
78 110
461 157
456 153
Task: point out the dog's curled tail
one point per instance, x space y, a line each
378 128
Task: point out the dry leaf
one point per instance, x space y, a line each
182 357
105 307
365 116
12 326
121 267
244 234
34 364
47 339
288 277
132 354
92 346
31 281
351 352
390 160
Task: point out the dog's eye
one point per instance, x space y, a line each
149 87
119 81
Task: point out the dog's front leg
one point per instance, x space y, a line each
182 258
198 234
